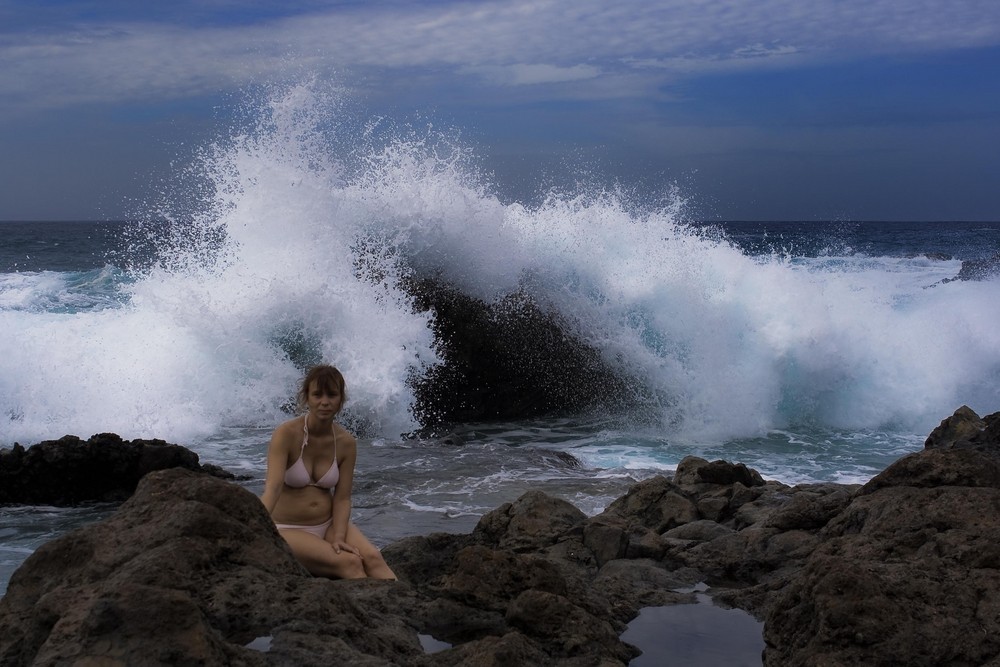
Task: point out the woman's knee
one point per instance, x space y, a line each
325 562
350 566
371 554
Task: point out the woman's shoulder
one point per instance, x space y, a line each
344 437
289 429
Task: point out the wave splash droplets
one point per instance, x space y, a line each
296 241
300 275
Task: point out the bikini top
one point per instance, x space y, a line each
298 476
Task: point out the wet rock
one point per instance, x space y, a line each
656 503
105 468
534 520
189 571
512 648
509 359
979 269
903 570
566 629
810 506
964 450
703 530
693 471
966 430
630 584
607 537
908 572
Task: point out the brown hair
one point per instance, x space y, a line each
326 378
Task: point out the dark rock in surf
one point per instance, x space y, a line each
933 256
508 360
979 269
104 468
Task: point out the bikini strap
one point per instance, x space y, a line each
305 431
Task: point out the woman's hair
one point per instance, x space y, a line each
326 378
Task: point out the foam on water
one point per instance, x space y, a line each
54 291
293 247
738 345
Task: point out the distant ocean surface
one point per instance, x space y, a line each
811 351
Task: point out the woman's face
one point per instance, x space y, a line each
324 402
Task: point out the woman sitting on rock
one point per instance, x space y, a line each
310 469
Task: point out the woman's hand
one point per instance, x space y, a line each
340 545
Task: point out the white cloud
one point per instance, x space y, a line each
517 42
759 50
525 74
755 56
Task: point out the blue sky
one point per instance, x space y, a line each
758 109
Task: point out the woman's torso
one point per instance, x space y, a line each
308 504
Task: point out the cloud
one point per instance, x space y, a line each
525 74
587 43
751 57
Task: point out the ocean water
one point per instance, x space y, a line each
811 351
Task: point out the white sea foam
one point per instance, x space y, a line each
310 219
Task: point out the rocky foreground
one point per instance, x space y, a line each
904 570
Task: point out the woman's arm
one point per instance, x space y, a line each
277 458
342 494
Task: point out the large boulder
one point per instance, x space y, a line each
909 571
966 430
509 359
190 570
71 471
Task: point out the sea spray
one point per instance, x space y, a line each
293 239
258 280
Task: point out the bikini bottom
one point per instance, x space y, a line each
319 531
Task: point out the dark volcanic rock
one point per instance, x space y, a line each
69 471
965 430
507 360
964 450
979 269
189 571
909 571
904 570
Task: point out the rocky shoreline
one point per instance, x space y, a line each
902 570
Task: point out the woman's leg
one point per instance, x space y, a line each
374 565
318 556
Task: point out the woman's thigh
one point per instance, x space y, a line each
374 564
357 540
318 556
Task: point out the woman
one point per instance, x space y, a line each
310 469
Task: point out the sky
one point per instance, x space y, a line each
752 109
